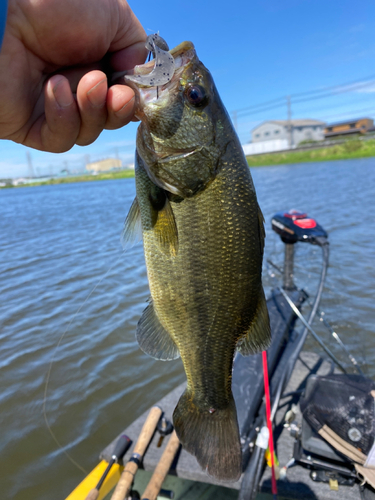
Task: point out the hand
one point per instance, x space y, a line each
54 92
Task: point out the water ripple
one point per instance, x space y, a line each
58 242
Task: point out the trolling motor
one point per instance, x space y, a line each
294 226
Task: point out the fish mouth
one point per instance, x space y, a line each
145 93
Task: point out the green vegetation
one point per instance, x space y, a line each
122 174
353 148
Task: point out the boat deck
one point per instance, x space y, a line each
297 484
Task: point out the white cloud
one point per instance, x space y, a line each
366 90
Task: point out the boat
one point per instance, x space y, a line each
310 467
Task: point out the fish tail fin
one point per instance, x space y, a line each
210 435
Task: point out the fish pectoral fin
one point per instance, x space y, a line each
132 231
153 338
165 229
258 336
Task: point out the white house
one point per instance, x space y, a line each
294 131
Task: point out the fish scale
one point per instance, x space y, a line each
203 244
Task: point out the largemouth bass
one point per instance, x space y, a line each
203 240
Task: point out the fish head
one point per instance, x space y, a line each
181 136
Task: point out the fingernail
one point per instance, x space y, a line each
99 97
124 112
63 94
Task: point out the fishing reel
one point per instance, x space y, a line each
293 226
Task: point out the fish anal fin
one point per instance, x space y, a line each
258 336
153 338
132 231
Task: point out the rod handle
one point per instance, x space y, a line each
122 446
93 494
161 470
148 430
130 469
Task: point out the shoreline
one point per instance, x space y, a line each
123 174
351 149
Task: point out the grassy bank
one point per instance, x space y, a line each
353 148
123 174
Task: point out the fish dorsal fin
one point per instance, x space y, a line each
258 336
153 338
132 231
165 227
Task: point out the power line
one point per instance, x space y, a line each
341 104
323 89
365 110
245 113
321 94
266 103
343 90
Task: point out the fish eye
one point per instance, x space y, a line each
196 95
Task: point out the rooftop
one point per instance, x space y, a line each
295 123
347 122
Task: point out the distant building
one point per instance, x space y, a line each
294 131
256 148
20 180
104 165
359 126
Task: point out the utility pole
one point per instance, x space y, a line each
30 164
86 162
290 126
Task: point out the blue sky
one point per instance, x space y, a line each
257 51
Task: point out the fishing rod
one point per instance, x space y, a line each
292 226
269 423
123 486
122 446
314 334
154 486
336 336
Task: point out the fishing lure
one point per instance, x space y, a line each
164 67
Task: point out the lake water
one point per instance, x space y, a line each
60 253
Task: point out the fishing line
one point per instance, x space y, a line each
338 290
71 459
314 334
299 315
